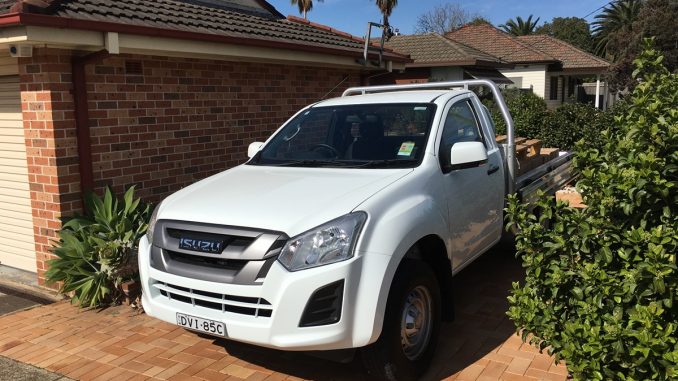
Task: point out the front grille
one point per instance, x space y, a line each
244 305
233 255
324 306
224 264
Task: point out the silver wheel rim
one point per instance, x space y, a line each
415 326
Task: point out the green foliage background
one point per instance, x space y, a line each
573 30
601 283
560 128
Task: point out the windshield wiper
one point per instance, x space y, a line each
343 164
385 163
310 163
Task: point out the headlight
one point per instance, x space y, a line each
151 223
328 243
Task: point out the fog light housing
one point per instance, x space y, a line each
324 306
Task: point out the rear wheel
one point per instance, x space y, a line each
411 325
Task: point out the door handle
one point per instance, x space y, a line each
492 169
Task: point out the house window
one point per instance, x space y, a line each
553 91
571 82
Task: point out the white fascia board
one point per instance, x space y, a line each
13 35
151 45
214 50
65 38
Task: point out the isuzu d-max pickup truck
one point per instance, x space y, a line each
344 229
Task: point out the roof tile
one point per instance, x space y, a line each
435 49
570 56
491 40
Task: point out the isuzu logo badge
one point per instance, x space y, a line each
202 245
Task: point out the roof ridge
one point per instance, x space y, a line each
460 28
565 43
526 46
494 29
449 43
452 40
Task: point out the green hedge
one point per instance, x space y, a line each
562 128
528 111
601 287
572 122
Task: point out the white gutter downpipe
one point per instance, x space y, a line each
597 90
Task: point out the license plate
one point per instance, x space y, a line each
202 325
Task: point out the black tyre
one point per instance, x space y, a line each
411 325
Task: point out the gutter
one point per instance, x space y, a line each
10 19
470 62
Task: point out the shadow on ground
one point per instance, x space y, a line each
481 325
16 299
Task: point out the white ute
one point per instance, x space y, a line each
344 228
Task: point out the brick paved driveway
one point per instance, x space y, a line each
116 344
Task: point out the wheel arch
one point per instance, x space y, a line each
431 250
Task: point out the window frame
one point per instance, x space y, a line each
442 152
553 91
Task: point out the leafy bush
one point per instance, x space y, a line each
528 110
602 283
572 122
562 128
97 253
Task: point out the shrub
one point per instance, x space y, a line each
97 253
601 283
562 128
572 122
528 110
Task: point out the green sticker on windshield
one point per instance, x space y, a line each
406 149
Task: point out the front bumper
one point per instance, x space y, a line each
286 294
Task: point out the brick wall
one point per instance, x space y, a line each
47 108
156 122
183 120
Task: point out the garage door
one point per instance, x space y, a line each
17 245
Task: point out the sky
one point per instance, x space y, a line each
352 15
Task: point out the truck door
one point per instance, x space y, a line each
475 196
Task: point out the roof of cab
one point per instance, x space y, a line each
408 96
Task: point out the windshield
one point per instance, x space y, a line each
358 136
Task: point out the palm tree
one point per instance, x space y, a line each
386 7
304 6
520 27
618 16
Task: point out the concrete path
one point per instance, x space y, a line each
11 370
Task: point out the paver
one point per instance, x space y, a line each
467 348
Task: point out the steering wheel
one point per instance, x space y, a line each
326 147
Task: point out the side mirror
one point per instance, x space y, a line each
254 148
467 155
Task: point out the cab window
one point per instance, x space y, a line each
461 125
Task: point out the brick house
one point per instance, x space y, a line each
157 94
551 68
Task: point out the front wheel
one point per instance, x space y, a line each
411 325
